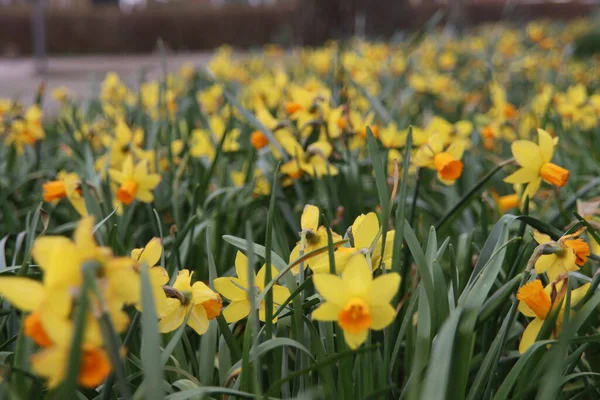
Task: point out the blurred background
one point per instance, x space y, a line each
65 39
72 27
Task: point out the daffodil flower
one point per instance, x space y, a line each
357 301
67 185
150 255
364 231
535 301
445 161
236 290
571 254
135 182
197 300
52 363
534 160
315 237
313 161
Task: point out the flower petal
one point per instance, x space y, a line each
355 340
326 312
357 277
236 311
241 267
530 334
384 288
364 229
331 288
230 288
383 315
546 145
173 320
522 175
198 319
23 293
527 154
310 218
150 253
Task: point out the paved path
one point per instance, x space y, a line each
18 79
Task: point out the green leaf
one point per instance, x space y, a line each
151 358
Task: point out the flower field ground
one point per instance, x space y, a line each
413 219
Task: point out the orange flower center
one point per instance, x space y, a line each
448 167
54 190
291 107
355 317
554 174
374 130
508 202
212 308
127 191
28 137
35 330
533 294
581 249
341 123
258 140
488 132
94 368
509 111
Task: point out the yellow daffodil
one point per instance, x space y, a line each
26 131
364 231
534 160
197 300
570 254
445 161
357 301
315 237
236 290
313 161
535 301
135 182
67 185
150 255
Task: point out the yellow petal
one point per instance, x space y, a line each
355 340
541 238
173 320
544 263
530 334
546 145
357 278
280 295
145 196
236 311
331 288
456 149
148 182
578 294
84 238
326 312
150 253
310 218
230 288
202 293
198 319
527 154
241 267
294 255
59 259
383 315
23 293
522 175
384 288
51 363
525 310
342 256
364 230
183 281
531 189
260 276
